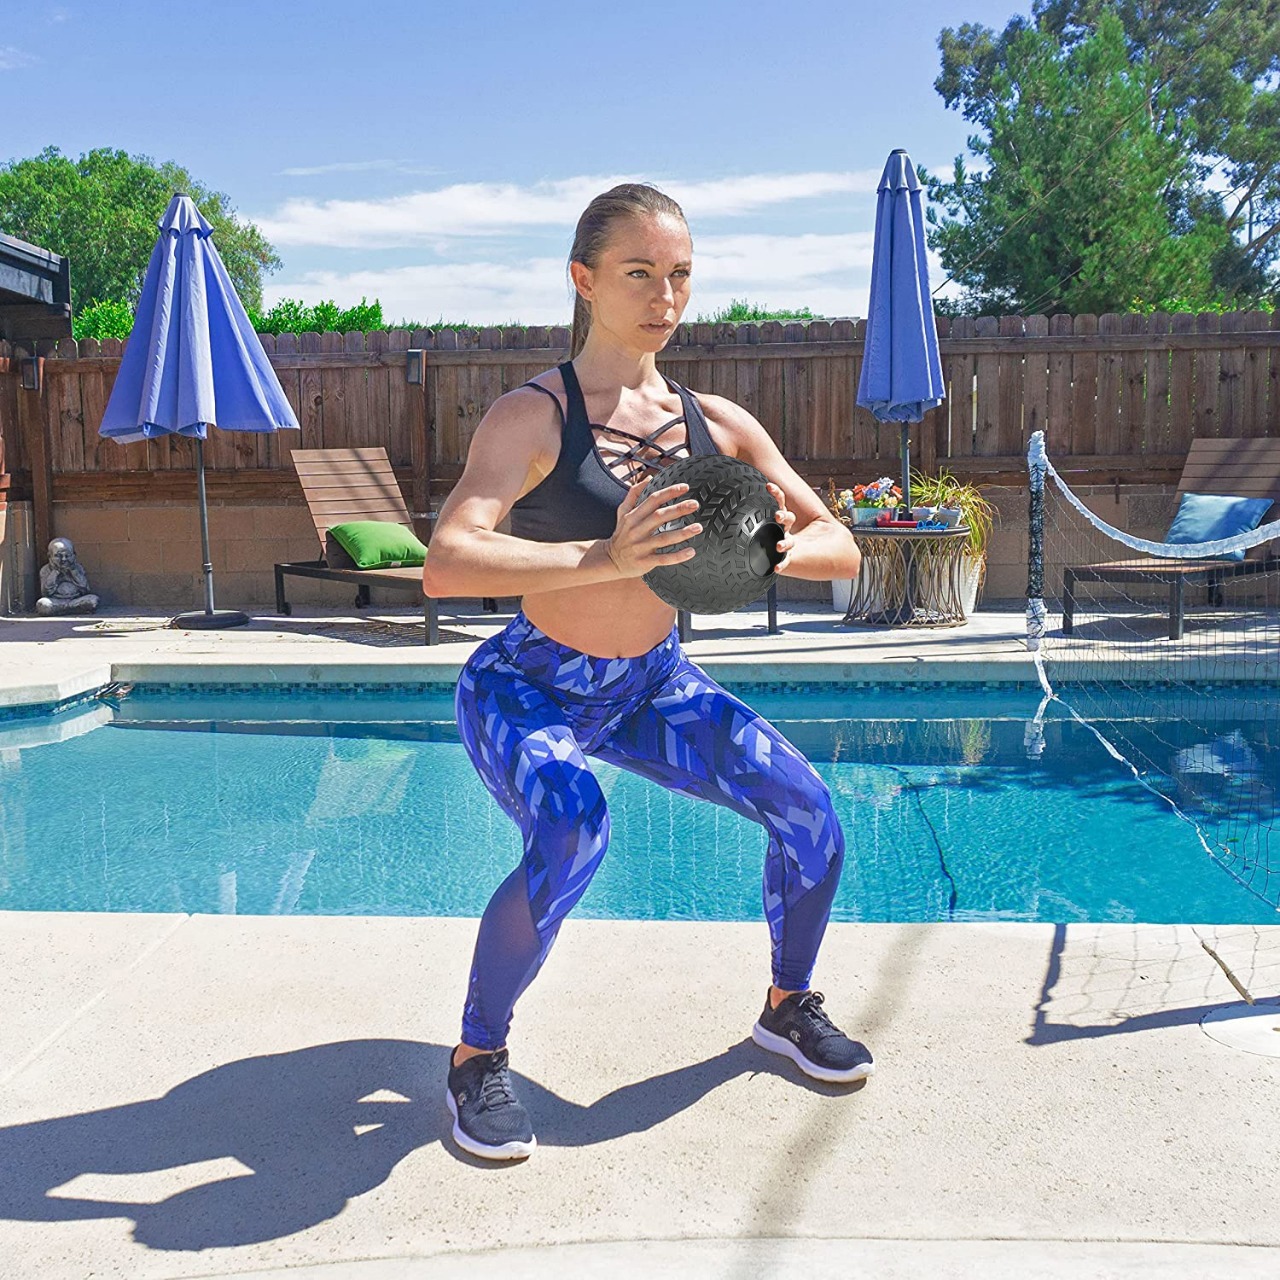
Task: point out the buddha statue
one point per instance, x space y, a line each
64 585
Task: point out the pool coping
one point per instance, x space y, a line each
811 648
32 701
41 700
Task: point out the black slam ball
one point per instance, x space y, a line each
737 549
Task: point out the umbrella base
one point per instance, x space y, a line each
199 621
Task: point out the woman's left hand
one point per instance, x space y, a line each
786 519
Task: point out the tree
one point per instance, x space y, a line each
1214 74
1089 200
102 211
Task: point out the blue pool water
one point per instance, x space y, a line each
365 803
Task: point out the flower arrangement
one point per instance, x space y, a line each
878 495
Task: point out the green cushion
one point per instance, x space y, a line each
379 544
335 554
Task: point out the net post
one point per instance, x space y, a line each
1036 464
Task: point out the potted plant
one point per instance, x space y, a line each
852 507
864 502
946 492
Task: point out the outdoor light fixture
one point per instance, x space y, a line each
30 373
413 364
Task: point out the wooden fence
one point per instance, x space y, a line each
1119 396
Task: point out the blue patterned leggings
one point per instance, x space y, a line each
530 710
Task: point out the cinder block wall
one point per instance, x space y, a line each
1142 510
149 556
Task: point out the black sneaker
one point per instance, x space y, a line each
488 1119
800 1029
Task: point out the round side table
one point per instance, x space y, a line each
909 577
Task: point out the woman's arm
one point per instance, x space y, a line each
467 556
497 564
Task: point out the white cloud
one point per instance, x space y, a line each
12 59
779 260
828 273
342 166
489 208
520 283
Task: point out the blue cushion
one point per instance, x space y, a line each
1206 517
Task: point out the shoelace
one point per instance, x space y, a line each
495 1085
810 1004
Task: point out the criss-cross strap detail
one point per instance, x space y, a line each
632 454
577 402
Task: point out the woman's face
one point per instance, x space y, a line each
640 288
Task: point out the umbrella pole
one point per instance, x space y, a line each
204 528
908 611
211 617
906 469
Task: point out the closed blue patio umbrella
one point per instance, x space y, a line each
193 361
901 369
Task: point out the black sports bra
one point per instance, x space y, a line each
579 499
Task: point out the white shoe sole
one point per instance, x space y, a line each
508 1150
780 1044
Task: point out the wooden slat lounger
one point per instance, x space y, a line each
355 484
359 484
1247 468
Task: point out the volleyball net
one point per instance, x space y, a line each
1168 652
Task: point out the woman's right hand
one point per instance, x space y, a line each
634 547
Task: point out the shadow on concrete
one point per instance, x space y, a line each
379 632
48 630
773 1205
390 627
1104 994
291 1119
808 630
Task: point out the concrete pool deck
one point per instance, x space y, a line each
42 659
194 1095
45 659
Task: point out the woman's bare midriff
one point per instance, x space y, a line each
621 619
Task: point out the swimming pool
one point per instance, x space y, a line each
364 802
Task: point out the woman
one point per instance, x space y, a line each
592 664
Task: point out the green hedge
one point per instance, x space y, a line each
291 315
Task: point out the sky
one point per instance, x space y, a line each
437 156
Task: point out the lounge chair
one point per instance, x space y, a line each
355 484
1248 468
359 484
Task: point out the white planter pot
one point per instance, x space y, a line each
872 599
967 582
971 575
970 583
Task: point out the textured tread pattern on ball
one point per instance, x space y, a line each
734 505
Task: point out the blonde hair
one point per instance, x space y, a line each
595 226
